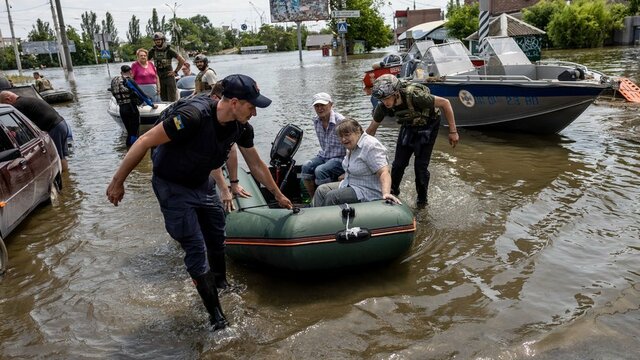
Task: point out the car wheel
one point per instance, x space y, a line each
54 189
4 257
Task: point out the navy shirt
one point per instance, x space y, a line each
199 144
39 112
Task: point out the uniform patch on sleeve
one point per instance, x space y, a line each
177 121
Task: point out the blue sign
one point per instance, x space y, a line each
342 28
105 54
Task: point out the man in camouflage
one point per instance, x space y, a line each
162 54
417 111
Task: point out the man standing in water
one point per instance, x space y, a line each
162 54
416 110
191 142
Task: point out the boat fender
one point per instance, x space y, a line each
348 212
353 235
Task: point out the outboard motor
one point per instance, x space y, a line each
283 148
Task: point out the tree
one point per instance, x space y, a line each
154 25
41 32
369 26
462 21
540 14
89 25
133 35
109 27
583 24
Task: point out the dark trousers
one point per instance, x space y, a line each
130 116
168 88
418 141
193 217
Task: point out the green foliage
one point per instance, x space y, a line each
369 26
154 25
540 14
84 49
462 20
583 24
133 35
89 25
41 32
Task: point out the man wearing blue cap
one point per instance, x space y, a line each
191 142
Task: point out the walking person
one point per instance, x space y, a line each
128 95
326 166
45 117
193 140
416 111
162 54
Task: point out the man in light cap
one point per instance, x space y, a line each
192 142
325 167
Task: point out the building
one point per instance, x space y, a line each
316 42
405 19
6 41
528 37
505 6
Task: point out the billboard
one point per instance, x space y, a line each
299 10
44 47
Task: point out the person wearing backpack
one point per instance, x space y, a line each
191 143
128 95
416 110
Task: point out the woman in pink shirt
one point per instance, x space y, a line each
144 73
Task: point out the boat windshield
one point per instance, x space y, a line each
448 59
506 51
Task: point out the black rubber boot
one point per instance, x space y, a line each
219 269
205 284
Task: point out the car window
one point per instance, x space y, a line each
5 143
17 129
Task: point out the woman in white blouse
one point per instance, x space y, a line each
367 173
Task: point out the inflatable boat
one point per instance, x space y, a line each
312 238
56 96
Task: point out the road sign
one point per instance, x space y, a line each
243 27
345 13
105 54
342 28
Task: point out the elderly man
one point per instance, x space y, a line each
45 117
325 167
192 141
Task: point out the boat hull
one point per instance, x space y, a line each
148 115
542 107
371 75
56 96
307 240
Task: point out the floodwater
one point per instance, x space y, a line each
528 249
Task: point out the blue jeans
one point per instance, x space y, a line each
322 170
193 217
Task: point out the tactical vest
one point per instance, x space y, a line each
202 86
43 84
162 60
412 116
189 163
120 91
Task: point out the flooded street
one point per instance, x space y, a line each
528 249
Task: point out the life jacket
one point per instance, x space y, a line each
411 116
189 163
43 84
162 60
202 86
121 92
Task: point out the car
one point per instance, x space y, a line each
30 172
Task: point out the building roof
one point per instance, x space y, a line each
507 25
319 40
420 31
401 13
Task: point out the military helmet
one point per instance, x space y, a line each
385 86
158 36
201 57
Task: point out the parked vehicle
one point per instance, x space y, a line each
30 172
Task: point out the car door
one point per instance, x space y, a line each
17 178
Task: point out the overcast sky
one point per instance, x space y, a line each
219 12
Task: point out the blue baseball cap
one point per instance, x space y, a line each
243 87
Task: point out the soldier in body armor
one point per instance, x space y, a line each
206 78
42 84
129 95
162 54
417 111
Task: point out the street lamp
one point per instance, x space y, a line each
175 28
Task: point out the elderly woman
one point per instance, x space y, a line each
367 174
145 75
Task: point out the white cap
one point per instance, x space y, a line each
322 98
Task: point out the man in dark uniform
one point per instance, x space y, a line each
161 54
45 117
128 95
415 109
194 140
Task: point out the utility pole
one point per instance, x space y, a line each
57 29
65 42
13 39
174 36
260 14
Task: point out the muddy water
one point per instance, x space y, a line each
528 248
